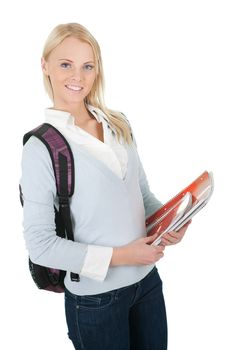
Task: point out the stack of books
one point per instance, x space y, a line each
181 208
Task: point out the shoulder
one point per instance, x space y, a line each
37 174
34 145
36 154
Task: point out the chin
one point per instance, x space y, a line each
74 99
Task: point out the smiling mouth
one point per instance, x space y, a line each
74 87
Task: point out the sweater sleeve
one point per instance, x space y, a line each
151 203
39 191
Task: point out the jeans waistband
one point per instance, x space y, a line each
115 291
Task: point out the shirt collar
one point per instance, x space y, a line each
63 118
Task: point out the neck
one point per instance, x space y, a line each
78 111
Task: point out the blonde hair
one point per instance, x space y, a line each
96 96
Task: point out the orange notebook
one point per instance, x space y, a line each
181 208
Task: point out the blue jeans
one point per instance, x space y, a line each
128 318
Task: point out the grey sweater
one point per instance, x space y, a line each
106 211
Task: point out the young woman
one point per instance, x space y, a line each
118 303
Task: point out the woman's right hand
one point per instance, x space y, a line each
139 252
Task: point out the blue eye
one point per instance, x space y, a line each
88 67
65 65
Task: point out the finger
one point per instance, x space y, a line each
159 248
178 234
148 240
165 242
171 235
172 239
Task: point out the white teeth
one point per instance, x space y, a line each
74 87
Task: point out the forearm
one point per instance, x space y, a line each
139 252
119 256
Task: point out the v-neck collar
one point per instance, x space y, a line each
103 167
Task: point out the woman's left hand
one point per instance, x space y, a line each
174 237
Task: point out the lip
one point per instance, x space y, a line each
73 90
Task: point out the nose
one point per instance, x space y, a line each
77 75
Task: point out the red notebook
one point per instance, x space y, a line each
181 208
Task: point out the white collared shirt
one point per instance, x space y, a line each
112 153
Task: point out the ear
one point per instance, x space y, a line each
44 66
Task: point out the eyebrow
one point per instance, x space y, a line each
66 59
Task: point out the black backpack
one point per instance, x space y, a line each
63 166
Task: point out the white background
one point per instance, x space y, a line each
168 67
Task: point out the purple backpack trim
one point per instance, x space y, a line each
56 145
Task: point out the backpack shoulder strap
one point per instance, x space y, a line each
61 156
63 166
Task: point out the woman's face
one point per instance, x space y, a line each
72 71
